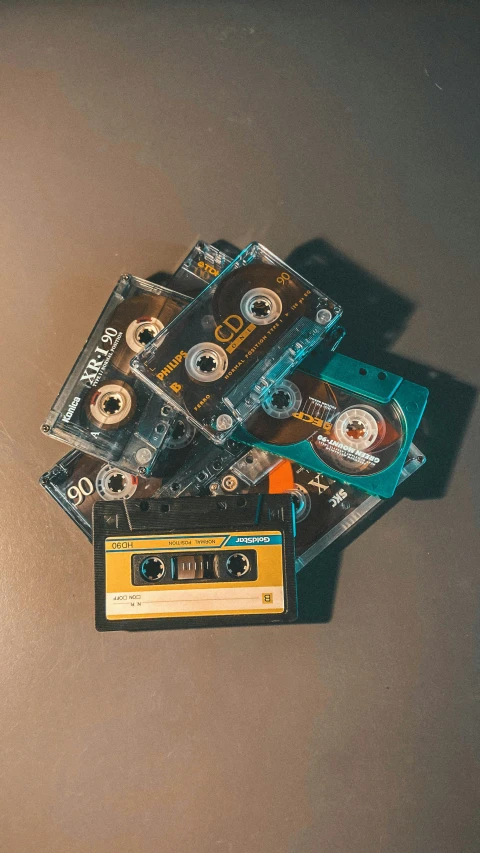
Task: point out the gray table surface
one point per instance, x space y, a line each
344 136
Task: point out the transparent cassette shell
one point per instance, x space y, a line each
78 481
353 511
342 418
201 266
103 409
236 342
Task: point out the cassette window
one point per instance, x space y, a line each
244 333
78 481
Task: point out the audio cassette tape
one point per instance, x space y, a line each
238 339
324 508
345 419
103 409
194 562
78 481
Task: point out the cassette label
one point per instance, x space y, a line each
199 562
191 581
245 332
346 419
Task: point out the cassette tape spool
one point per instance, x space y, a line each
78 481
194 562
244 333
324 508
103 409
345 419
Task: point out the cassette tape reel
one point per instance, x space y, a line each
236 341
345 419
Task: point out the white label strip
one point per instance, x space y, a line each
158 602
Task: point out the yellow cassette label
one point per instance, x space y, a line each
219 574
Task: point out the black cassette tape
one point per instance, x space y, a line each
344 418
245 332
103 409
194 562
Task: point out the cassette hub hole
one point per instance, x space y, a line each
178 430
152 569
355 430
281 400
261 307
146 335
207 363
112 404
116 483
238 565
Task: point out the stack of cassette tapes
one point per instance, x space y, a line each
221 443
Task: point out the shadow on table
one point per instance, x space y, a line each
375 316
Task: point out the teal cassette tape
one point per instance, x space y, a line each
345 419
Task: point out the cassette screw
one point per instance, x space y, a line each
229 483
142 470
45 428
324 316
143 456
223 423
214 488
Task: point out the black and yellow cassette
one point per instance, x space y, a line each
194 562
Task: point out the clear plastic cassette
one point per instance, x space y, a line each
202 265
78 481
325 508
244 333
103 409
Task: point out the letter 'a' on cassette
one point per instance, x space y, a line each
236 341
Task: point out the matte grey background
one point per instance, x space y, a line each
128 130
